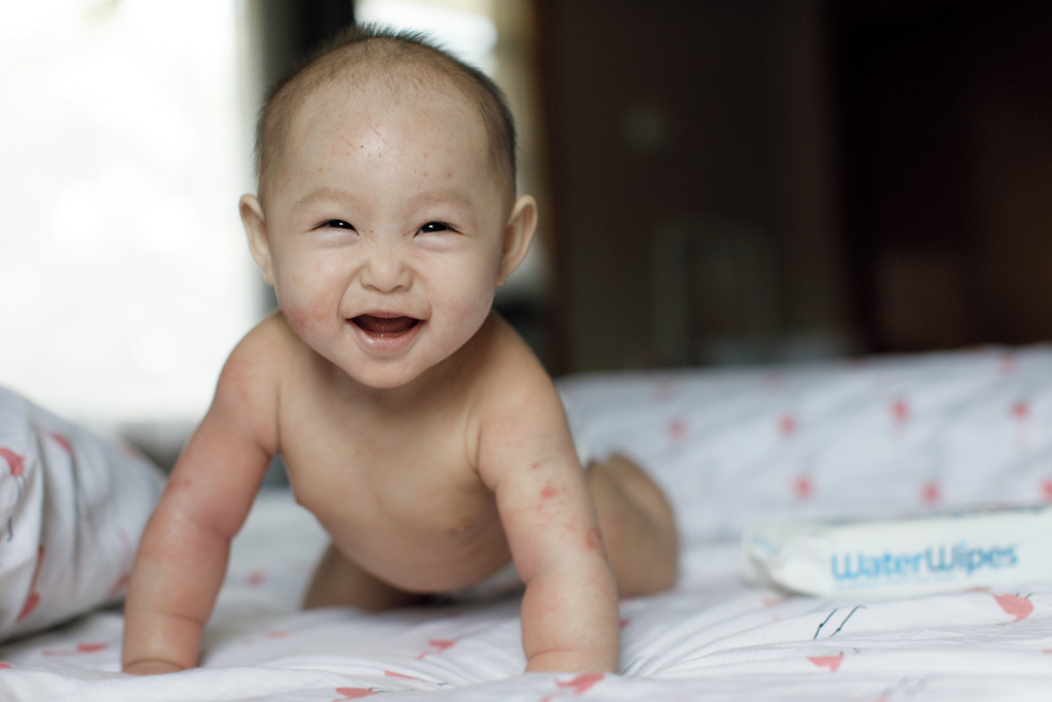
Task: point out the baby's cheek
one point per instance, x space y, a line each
302 317
297 316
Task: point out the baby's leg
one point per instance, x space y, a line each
340 583
638 528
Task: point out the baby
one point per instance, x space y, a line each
415 424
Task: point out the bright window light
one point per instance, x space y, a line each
124 276
464 27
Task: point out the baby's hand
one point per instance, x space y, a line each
154 667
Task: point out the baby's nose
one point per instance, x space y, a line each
386 271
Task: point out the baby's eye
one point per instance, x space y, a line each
337 224
432 227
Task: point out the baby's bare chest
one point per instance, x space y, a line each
407 477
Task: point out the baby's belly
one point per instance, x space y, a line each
423 554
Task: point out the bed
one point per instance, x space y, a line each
880 437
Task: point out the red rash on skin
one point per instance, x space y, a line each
181 484
295 316
299 317
547 492
592 539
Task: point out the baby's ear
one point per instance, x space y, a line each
256 231
518 233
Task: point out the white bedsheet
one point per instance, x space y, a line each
713 637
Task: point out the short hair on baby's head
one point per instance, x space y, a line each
361 45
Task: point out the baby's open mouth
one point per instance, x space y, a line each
384 327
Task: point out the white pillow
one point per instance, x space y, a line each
72 507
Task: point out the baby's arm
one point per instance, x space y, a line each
183 554
570 620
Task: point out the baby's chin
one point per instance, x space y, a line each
385 376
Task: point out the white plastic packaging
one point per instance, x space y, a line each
944 552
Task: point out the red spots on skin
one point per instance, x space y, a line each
300 318
831 662
1014 605
15 462
548 492
295 316
179 484
593 539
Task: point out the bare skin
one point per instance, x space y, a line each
636 523
416 425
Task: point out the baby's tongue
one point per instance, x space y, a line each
384 325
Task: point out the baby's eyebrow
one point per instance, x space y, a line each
441 196
326 194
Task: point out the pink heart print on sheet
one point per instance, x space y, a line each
574 687
33 598
1015 606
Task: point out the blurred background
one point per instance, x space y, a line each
722 182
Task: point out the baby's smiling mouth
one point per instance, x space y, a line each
384 327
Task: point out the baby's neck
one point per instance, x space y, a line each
434 385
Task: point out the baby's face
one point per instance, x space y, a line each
385 229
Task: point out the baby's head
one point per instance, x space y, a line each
371 54
386 215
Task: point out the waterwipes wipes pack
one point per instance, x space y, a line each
903 557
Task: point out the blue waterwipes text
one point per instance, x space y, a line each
936 561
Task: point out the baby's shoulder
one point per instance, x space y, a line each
260 356
513 376
247 394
